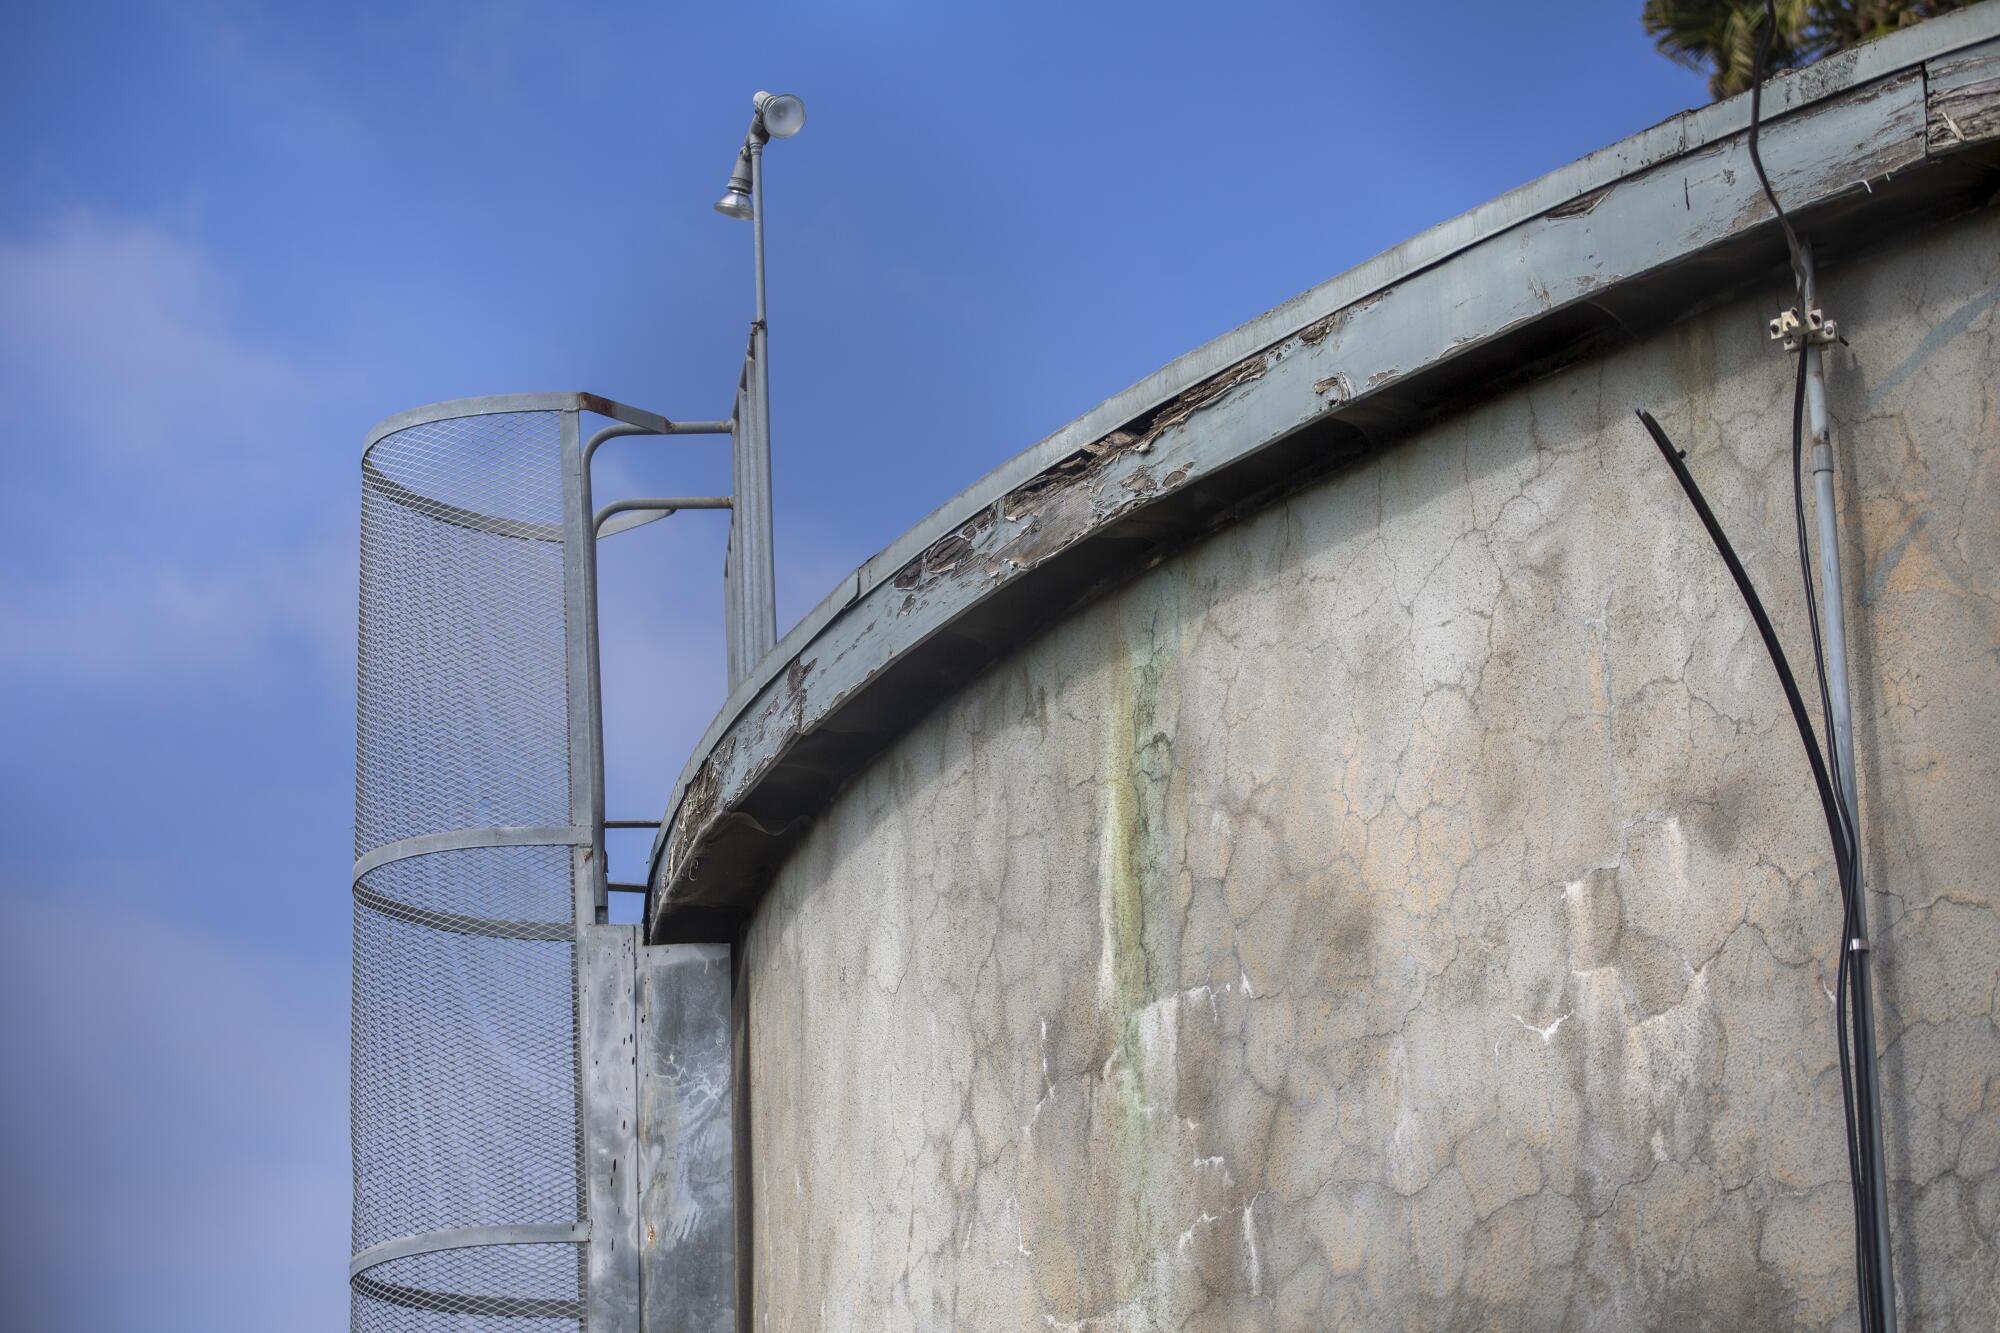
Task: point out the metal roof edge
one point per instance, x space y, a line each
1681 136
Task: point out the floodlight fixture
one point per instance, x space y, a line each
782 114
773 116
735 201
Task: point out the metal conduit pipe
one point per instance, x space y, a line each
1833 625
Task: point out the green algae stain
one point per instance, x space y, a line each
1135 899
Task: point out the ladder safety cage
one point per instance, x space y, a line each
492 1149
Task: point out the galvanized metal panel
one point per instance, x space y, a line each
608 1036
686 1141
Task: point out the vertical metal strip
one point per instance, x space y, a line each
586 760
738 577
575 518
753 473
609 1037
593 687
606 1022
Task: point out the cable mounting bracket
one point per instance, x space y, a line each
1795 331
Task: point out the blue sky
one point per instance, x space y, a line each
233 237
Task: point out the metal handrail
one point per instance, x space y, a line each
654 509
660 504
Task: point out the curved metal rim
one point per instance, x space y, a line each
489 404
467 1238
485 405
1684 136
443 511
453 840
454 923
456 1302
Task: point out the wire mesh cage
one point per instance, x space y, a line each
469 1190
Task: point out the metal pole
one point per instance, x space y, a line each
603 954
592 681
734 614
586 724
752 527
1833 621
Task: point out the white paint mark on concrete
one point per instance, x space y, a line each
1187 1237
1547 1034
1250 1244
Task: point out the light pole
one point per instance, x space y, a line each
753 612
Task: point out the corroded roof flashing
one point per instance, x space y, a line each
1597 253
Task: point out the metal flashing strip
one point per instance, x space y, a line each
1605 234
608 1037
466 1238
1681 135
452 840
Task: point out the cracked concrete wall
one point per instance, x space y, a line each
1409 907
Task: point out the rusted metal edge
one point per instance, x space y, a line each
1603 262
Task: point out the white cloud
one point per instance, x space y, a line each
172 1105
478 61
134 616
156 427
119 332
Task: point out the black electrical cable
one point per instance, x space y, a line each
1756 120
1860 1179
1807 736
1836 829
